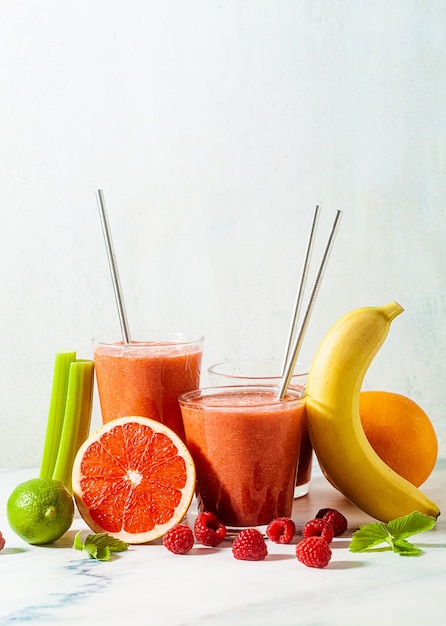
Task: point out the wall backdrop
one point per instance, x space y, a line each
214 128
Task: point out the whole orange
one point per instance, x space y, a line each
400 432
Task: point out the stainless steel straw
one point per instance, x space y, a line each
300 293
113 267
294 352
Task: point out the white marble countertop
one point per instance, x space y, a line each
147 584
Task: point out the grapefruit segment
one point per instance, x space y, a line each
133 478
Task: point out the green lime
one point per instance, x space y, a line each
40 510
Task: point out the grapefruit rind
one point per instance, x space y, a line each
103 478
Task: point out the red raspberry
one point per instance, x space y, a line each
318 528
336 519
313 552
2 541
321 513
249 545
281 530
179 539
209 530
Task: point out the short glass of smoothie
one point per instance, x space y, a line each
146 376
265 372
245 445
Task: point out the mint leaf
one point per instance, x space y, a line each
403 547
99 546
78 545
394 534
411 524
368 536
91 550
102 553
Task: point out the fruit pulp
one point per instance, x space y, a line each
145 379
245 444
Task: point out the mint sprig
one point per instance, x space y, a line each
394 534
99 546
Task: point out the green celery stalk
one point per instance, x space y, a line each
56 412
76 424
87 404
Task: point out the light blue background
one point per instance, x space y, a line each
214 128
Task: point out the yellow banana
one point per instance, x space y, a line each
334 424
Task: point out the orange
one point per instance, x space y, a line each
400 432
134 479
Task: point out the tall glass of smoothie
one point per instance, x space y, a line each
265 372
146 377
245 444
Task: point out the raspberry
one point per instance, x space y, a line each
335 518
320 514
209 530
2 541
281 530
318 527
249 545
313 552
179 539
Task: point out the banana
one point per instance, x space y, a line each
343 451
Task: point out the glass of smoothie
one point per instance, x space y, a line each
146 377
265 372
245 445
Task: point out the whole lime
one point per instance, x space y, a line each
40 510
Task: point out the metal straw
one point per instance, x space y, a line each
300 293
113 267
285 381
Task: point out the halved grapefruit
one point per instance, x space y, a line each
133 478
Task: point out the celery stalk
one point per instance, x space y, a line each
56 412
87 404
77 418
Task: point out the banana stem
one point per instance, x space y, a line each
392 310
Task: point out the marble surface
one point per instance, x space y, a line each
147 584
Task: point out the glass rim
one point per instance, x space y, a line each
151 339
293 396
213 370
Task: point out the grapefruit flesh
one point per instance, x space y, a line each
134 479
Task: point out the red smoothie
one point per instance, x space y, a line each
304 466
244 443
146 378
261 372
